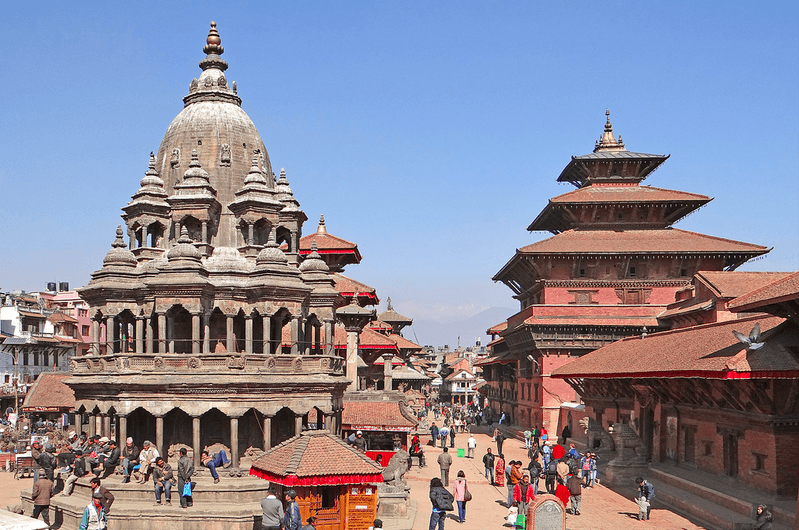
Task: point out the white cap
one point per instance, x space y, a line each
359 432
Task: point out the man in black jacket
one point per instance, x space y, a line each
162 481
488 463
78 471
185 471
108 464
442 503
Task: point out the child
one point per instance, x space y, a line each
643 505
513 513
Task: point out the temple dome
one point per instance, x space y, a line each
213 123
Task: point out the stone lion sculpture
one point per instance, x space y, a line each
394 472
626 438
595 433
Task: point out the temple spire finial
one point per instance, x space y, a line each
322 228
213 43
608 141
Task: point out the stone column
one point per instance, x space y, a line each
144 237
110 332
195 333
78 422
148 329
267 433
205 231
206 332
267 334
95 346
234 442
195 440
170 333
295 335
159 434
248 334
329 329
388 366
329 421
92 425
177 230
297 424
352 360
161 333
250 230
139 334
122 430
231 339
106 425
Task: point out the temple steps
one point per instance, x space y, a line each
720 508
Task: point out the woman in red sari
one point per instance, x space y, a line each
499 471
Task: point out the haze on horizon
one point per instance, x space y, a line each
429 134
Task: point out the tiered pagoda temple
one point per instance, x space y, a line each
189 314
613 265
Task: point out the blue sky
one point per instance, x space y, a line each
430 133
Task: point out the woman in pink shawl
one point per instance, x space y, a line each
499 471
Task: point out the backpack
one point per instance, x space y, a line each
552 467
650 491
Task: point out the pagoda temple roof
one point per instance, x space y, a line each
779 292
708 351
329 244
348 287
403 343
316 458
552 218
377 415
649 243
732 284
390 316
49 393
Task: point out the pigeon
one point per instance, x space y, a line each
753 340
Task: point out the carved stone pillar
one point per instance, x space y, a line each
177 230
267 334
206 332
139 335
95 346
230 337
148 327
159 434
92 425
195 440
250 230
78 422
205 232
388 366
122 430
143 240
161 333
106 425
295 335
329 328
195 333
234 442
110 332
297 424
248 334
170 333
267 433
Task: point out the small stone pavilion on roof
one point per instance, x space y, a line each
334 482
195 303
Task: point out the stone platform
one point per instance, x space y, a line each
234 503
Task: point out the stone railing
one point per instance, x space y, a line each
208 363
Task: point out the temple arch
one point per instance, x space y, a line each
141 426
283 426
177 430
214 429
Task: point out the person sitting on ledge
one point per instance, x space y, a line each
212 462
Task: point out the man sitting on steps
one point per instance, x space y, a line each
212 462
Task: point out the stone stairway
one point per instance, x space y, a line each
717 504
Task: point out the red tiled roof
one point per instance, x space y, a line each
328 244
456 373
347 286
30 314
61 317
685 307
316 458
620 194
731 284
49 391
781 290
403 343
377 325
385 415
709 350
667 241
369 340
497 328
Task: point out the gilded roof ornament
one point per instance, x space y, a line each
322 229
608 141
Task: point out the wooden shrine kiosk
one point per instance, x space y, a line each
334 482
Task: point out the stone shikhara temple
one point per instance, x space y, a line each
208 325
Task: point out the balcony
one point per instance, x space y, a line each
207 363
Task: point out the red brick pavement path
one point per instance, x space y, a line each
602 508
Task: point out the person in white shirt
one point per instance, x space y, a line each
471 445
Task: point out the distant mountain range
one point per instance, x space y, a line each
437 333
